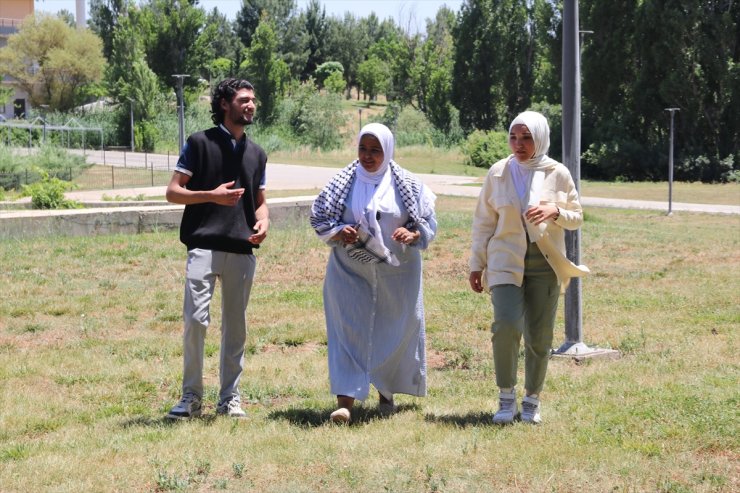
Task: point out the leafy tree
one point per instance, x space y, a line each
218 41
493 68
335 83
281 12
315 119
68 17
397 51
432 71
247 20
372 76
315 28
548 33
265 70
635 67
6 93
171 29
52 62
104 19
325 70
347 43
126 47
288 26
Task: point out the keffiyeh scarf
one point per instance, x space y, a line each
327 210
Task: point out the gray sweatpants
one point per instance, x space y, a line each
530 311
236 273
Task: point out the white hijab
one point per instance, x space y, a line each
371 187
539 162
533 169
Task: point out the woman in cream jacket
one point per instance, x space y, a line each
518 253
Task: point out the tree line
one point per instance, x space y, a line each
471 70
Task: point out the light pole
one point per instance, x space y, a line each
672 111
132 123
180 107
571 104
44 110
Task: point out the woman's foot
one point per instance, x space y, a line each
386 406
344 405
340 416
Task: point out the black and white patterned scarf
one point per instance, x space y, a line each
328 208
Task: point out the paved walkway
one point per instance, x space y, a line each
294 177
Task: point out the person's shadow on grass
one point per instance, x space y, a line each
461 420
312 418
153 421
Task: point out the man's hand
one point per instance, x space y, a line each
225 195
260 231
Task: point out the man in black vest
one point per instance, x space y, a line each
220 178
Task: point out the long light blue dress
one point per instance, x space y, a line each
375 312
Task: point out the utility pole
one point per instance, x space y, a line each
672 111
571 99
180 108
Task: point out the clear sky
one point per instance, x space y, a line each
411 14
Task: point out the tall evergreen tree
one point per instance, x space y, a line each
264 68
493 68
315 28
171 29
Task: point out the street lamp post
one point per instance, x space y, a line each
180 108
132 122
44 110
571 99
672 111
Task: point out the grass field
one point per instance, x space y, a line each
90 361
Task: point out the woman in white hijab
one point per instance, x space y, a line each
518 254
376 217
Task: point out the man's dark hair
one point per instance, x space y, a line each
226 90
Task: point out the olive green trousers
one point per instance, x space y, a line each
527 311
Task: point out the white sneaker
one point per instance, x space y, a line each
188 407
231 408
507 409
531 410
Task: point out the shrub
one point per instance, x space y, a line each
313 118
57 161
483 148
335 83
48 193
411 127
146 136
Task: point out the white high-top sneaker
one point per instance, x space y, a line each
507 409
531 410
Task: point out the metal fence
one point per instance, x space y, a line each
106 170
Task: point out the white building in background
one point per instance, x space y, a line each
12 13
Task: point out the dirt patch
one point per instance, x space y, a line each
436 359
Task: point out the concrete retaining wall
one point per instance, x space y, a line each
125 220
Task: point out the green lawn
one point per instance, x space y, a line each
91 348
